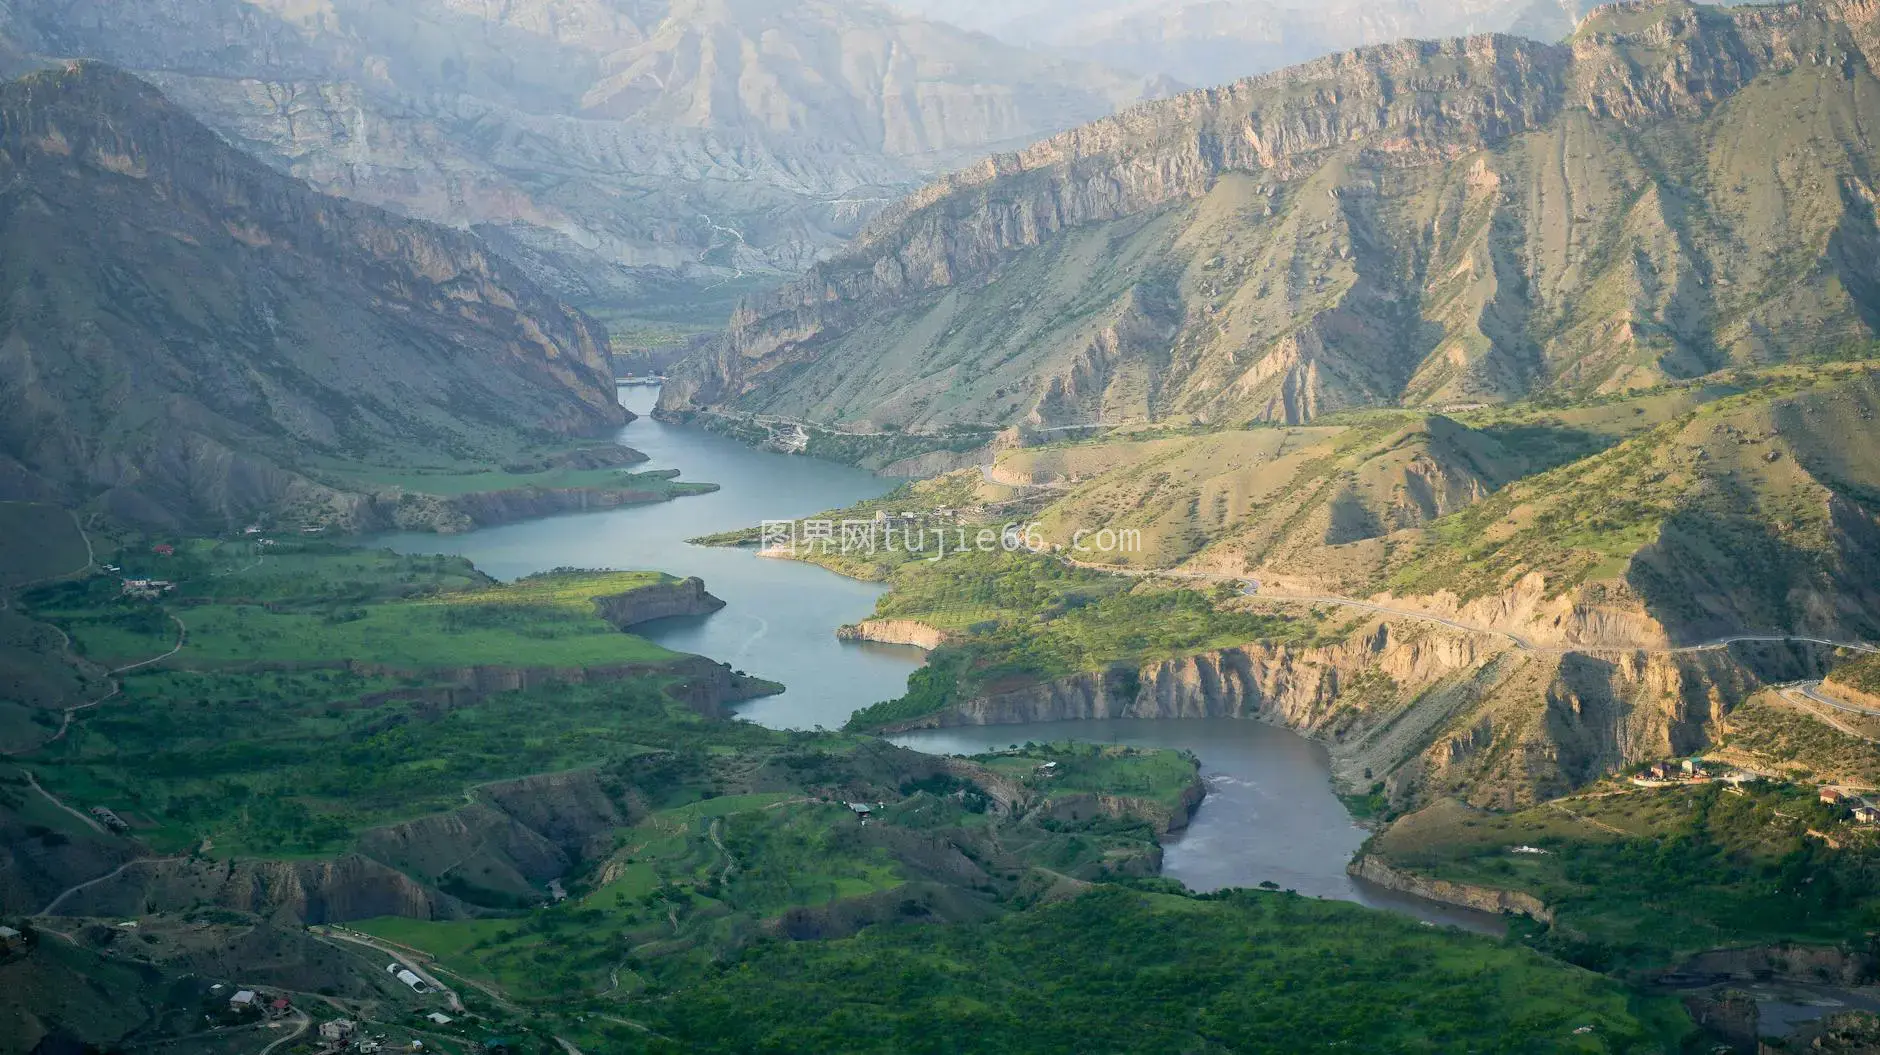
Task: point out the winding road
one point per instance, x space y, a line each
1516 640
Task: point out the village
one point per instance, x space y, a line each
1860 805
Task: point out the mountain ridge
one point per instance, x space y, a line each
187 331
1393 225
627 151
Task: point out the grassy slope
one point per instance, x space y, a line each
1022 619
1119 970
1695 868
41 541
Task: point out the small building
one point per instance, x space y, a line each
1866 814
11 939
279 1007
337 1030
243 1000
163 549
417 984
440 1018
109 819
1658 771
1689 766
1832 796
860 809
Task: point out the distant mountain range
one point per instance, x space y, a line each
634 155
1673 191
187 332
1206 42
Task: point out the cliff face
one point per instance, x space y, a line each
1421 224
1482 899
190 327
1432 712
348 888
622 152
658 601
895 632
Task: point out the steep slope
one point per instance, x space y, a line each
1756 514
1216 41
1261 496
625 150
185 328
1675 190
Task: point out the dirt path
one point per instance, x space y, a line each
66 717
402 953
52 907
1516 640
301 1022
54 799
1588 820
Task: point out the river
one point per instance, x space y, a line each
1270 813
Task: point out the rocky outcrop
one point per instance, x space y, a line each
347 888
1432 712
662 600
1798 963
1464 895
1284 204
895 632
1167 819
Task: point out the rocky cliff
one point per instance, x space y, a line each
658 601
1433 712
628 154
895 632
1421 224
1480 898
348 888
191 330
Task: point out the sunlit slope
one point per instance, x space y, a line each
1680 517
1673 192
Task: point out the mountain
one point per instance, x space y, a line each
1216 41
630 153
1674 191
186 331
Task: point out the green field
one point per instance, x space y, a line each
292 721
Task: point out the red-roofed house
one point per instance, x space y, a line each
163 549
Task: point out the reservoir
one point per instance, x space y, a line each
1270 813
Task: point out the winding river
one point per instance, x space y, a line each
1270 814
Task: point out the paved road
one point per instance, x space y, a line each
1813 691
1429 617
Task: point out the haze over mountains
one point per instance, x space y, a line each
1676 190
186 330
1204 42
626 151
